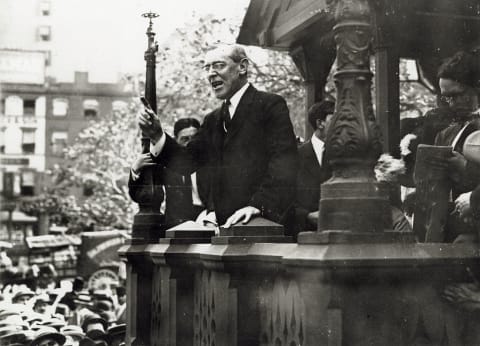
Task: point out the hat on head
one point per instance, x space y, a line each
98 336
14 336
54 322
89 342
117 333
13 320
73 330
22 292
32 316
12 309
46 333
5 330
93 322
102 295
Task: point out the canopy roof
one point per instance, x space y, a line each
420 28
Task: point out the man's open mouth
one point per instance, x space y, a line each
217 84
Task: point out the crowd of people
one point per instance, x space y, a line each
70 316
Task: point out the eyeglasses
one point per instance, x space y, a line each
453 99
215 66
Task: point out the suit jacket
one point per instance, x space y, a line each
469 178
178 194
309 178
254 163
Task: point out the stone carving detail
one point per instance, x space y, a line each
282 315
204 324
353 46
156 306
354 132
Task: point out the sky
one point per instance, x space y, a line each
109 36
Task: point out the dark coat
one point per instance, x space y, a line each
469 178
178 194
310 176
253 164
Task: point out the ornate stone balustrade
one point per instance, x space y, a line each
298 294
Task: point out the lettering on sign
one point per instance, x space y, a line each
103 246
14 161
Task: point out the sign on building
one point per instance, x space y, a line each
20 66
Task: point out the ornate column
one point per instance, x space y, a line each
353 206
147 223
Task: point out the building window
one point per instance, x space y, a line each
45 8
28 107
13 105
44 33
59 142
90 108
27 187
28 141
60 107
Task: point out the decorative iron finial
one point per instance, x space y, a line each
150 15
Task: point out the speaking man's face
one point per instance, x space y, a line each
224 74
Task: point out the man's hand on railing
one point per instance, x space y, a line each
244 214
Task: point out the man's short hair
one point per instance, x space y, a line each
463 67
238 53
319 111
185 123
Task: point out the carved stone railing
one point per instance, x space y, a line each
291 294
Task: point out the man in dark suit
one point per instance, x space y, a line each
185 195
313 168
247 144
459 81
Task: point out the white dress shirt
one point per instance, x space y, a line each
318 148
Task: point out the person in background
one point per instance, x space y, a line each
23 295
69 297
459 80
313 168
120 310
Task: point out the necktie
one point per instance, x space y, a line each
226 115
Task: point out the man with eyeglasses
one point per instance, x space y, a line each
247 143
459 80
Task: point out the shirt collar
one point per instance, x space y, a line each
318 147
235 99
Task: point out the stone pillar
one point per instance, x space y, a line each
353 206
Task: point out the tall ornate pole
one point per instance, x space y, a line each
353 206
148 193
147 224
